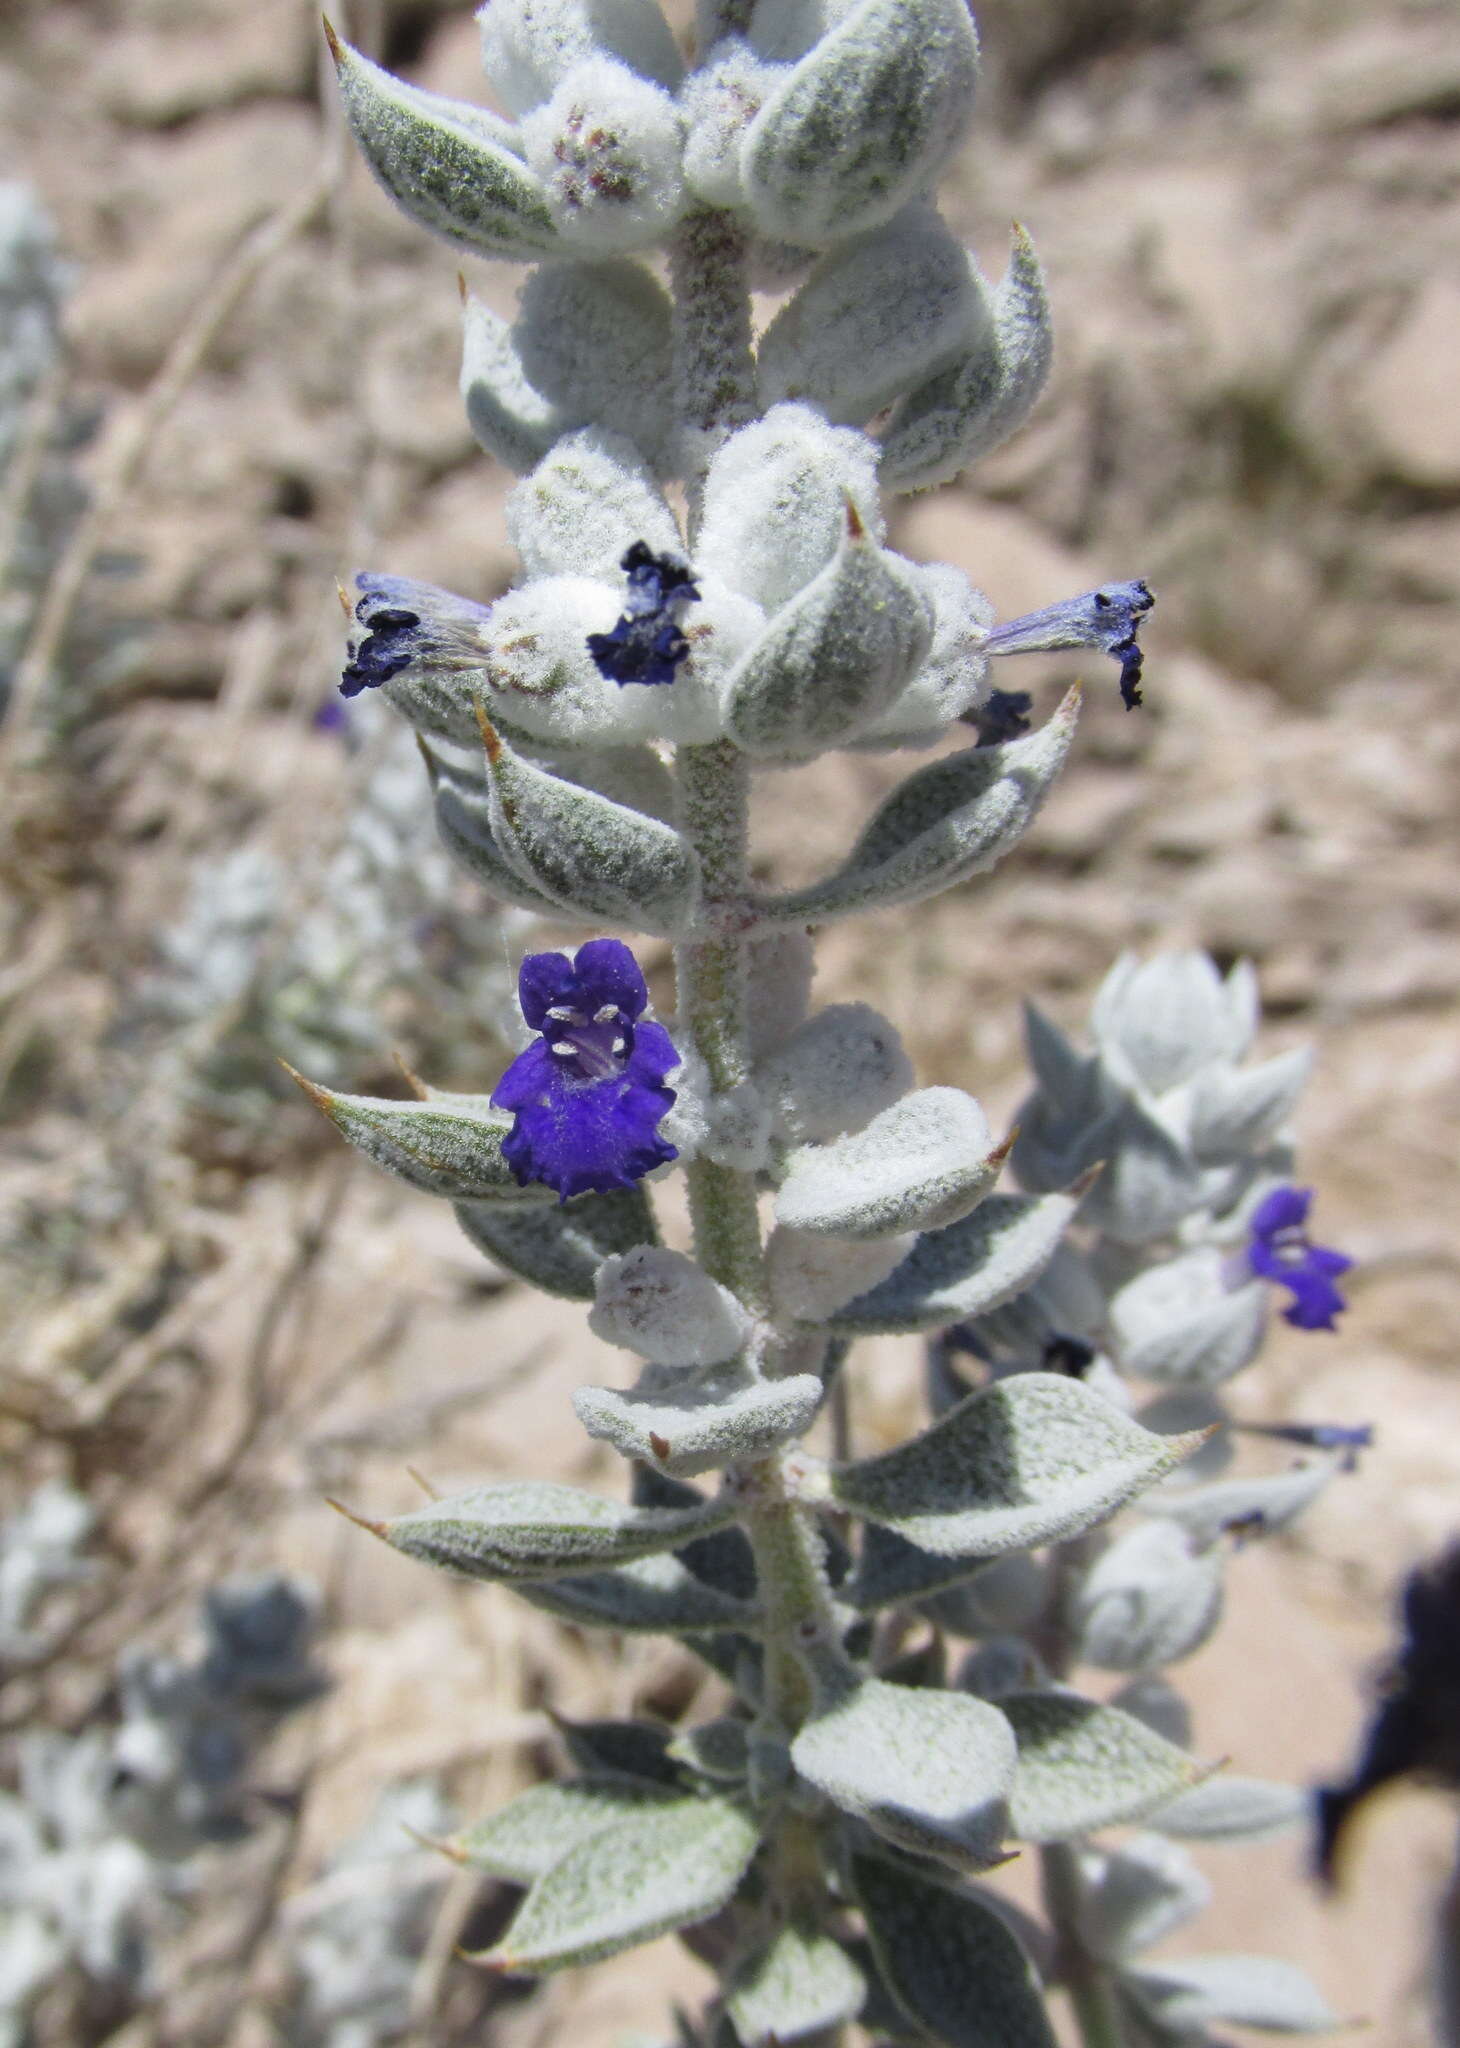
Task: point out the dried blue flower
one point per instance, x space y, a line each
1003 715
409 625
1348 1437
1279 1249
1108 618
588 1095
646 645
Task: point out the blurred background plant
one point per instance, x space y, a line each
1251 215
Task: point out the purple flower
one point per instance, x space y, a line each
646 645
1281 1250
588 1095
1003 715
1348 1437
409 625
1108 618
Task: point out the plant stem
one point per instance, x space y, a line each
1089 1987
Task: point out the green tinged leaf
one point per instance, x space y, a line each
561 1248
1194 1992
652 1596
673 1864
1033 1459
964 1270
620 1749
703 1425
953 1966
1084 1766
949 821
893 1572
534 1529
802 1982
444 162
436 1147
596 858
928 1770
1232 1809
525 1838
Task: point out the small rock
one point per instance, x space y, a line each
1408 400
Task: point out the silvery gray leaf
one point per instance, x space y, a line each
1030 1460
1155 1701
1233 1111
525 1838
1148 1600
1180 1323
966 410
637 1750
510 418
715 1749
952 1964
1265 1503
560 1248
949 821
589 499
669 1866
444 162
1138 1894
927 1770
802 1982
463 808
877 316
1160 1021
1150 1182
964 1270
652 1596
536 1529
865 122
834 657
686 1425
1195 1992
891 1571
1083 1766
1010 1594
594 339
921 1165
594 857
1232 1809
440 1150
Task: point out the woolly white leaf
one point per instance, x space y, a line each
444 162
802 1982
440 1150
865 122
951 681
964 1270
652 1596
952 1964
893 1572
719 101
776 502
1032 1459
1244 1991
1270 1500
690 1427
509 417
1150 1599
1162 1020
811 1276
949 821
593 856
534 1529
594 339
1179 1322
1083 1766
529 45
668 1867
1229 1809
590 498
525 1838
834 658
875 317
968 409
928 1770
661 1305
463 808
560 1248
606 153
921 1164
1137 1895
835 1073
1233 1112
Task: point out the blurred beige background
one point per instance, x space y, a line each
1250 215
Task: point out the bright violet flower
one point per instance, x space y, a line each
1108 618
1281 1250
409 625
646 645
589 1094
